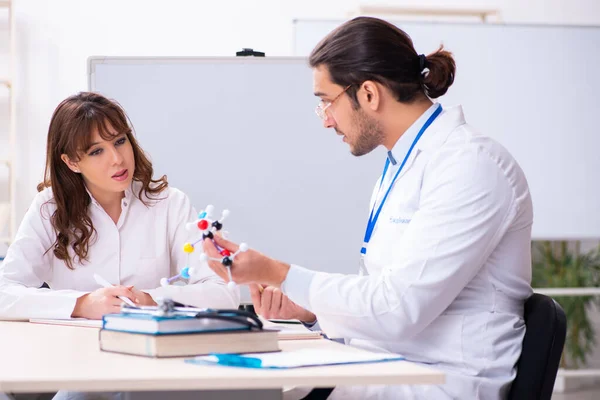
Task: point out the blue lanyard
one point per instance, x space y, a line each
373 220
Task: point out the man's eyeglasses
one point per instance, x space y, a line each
322 106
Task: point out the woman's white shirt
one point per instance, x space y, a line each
145 245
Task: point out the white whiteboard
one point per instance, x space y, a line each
242 134
534 89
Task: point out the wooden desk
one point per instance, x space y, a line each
48 358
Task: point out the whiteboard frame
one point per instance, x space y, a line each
94 61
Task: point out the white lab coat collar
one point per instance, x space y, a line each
433 137
398 152
128 193
450 119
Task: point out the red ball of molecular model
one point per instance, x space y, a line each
208 228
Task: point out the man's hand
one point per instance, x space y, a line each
271 303
101 301
248 267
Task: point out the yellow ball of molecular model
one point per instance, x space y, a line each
208 228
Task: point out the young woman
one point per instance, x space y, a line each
98 211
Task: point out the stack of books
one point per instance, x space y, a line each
182 336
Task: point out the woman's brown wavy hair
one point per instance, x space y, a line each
70 133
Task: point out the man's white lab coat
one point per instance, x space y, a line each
449 266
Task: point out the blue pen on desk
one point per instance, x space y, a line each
103 282
235 360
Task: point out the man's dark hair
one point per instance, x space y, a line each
367 48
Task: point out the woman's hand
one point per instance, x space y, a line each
101 301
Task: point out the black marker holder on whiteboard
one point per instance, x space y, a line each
249 52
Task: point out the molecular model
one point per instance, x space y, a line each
208 227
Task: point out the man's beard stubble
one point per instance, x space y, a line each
370 134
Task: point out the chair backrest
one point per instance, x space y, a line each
546 328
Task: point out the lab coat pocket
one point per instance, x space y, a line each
480 350
156 246
441 341
149 272
388 235
149 250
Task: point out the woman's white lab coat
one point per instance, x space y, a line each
145 245
449 266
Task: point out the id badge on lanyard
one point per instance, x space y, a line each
362 267
373 218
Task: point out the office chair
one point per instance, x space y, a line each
542 348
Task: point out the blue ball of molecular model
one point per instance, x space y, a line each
208 228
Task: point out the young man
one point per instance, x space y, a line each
446 265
